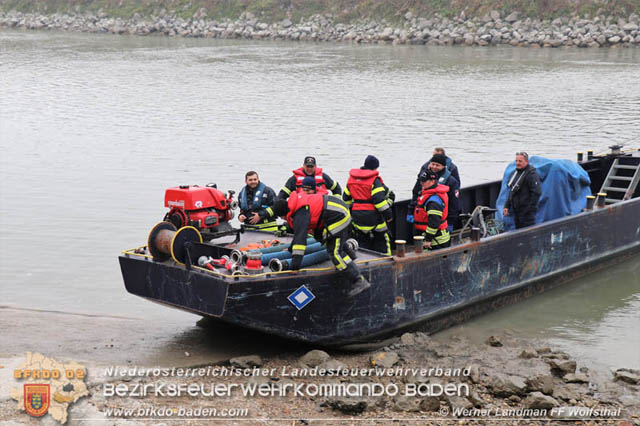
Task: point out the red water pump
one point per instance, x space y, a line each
205 208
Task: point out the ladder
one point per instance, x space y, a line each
622 179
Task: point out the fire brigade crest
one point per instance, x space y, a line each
45 386
36 399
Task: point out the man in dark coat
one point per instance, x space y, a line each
524 192
449 164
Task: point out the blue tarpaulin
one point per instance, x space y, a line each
565 186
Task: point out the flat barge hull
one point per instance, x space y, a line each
433 290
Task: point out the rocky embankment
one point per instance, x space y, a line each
504 379
490 29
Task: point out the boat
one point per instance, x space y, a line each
411 289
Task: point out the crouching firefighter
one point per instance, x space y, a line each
370 202
327 218
253 197
431 212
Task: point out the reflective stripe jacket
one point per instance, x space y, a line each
322 215
313 202
300 175
360 185
366 192
324 183
430 196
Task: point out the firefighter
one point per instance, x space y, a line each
309 186
253 197
438 164
370 202
327 217
323 181
431 212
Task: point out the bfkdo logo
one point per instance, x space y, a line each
36 399
48 387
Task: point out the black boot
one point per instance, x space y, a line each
358 286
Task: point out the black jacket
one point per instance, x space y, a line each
524 191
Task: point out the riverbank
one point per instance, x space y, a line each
490 29
502 378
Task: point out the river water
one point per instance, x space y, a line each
93 128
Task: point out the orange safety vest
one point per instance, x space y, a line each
300 175
422 217
359 184
315 203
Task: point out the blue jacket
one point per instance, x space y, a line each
253 200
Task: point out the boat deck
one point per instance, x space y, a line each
254 237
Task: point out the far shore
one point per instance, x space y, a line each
492 29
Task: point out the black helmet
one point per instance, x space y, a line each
428 175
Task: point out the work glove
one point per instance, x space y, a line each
409 218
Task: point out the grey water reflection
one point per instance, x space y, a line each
93 128
596 318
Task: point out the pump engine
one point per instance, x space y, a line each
205 208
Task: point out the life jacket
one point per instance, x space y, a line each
315 203
360 183
437 194
300 175
257 197
445 176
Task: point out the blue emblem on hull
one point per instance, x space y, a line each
301 297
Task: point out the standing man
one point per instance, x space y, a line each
524 192
449 164
253 197
327 218
438 165
370 202
431 212
323 181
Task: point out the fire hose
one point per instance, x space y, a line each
238 255
285 254
277 265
